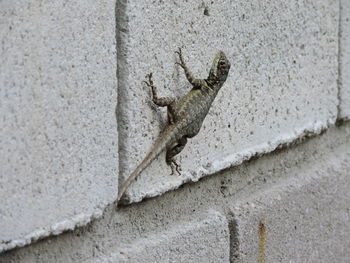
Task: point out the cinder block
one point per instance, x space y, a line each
205 239
282 83
58 135
304 219
344 57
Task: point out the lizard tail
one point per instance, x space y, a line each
167 137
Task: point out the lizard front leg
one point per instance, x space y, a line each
191 79
162 102
170 154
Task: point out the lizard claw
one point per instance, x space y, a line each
181 63
146 83
150 81
175 166
179 51
178 169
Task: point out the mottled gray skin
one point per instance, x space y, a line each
185 116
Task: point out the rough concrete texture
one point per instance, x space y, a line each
282 82
205 239
58 134
344 59
307 163
302 219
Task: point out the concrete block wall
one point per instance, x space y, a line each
267 178
57 123
344 60
281 84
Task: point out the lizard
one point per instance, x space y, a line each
185 115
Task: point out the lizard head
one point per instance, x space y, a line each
220 67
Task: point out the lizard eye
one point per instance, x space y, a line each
221 63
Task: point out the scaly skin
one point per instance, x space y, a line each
185 116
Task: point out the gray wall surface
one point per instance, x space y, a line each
344 60
281 84
58 137
269 170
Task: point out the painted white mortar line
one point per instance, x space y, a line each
55 229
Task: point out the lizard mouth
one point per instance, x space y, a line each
220 54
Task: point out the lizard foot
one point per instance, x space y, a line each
181 63
175 166
149 83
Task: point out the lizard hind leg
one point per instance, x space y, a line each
170 154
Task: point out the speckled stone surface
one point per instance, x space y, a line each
299 193
58 134
282 83
344 60
206 238
302 219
